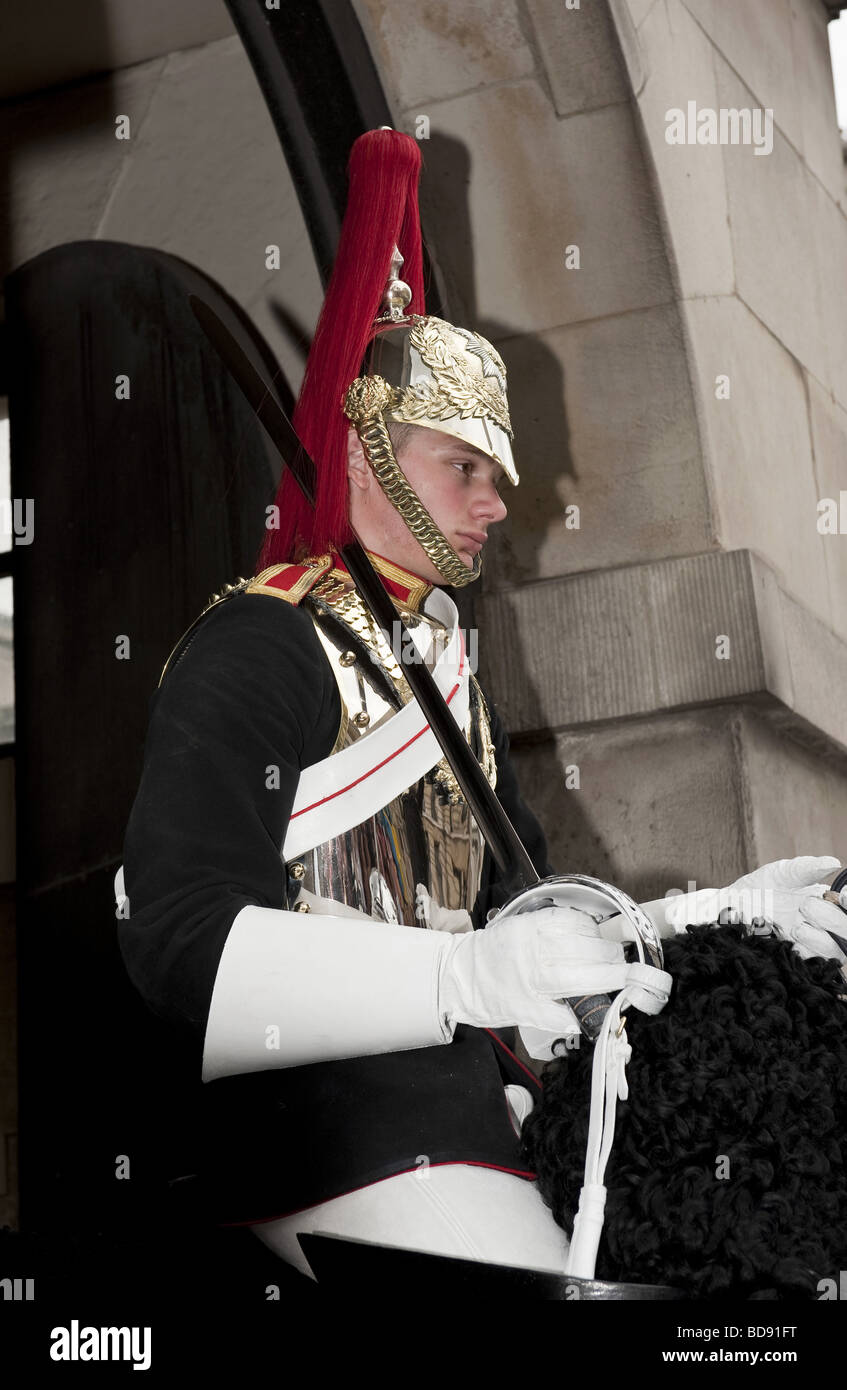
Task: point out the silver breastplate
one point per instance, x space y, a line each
423 850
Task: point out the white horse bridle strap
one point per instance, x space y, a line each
648 991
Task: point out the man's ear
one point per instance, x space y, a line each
358 468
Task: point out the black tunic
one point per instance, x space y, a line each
252 690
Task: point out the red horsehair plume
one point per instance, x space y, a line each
382 212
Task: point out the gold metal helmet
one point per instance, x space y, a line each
424 371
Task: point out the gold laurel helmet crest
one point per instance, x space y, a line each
468 377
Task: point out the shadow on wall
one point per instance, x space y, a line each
33 126
536 399
295 331
536 379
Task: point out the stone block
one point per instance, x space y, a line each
704 635
660 801
620 643
797 797
772 206
503 220
776 657
616 644
813 684
756 40
759 446
700 796
679 60
820 141
804 662
579 52
604 420
829 250
553 663
206 180
818 671
829 437
439 48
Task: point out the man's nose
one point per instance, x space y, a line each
490 505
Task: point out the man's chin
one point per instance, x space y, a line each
466 553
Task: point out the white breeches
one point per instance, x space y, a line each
457 1209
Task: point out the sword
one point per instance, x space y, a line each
497 830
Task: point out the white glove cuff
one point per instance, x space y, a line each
294 988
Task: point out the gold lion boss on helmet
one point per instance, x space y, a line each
424 371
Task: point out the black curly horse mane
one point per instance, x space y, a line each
726 1177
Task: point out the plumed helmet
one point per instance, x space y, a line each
378 359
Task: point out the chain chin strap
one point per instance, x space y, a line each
403 498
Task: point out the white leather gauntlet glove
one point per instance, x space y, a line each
773 893
823 930
294 988
515 970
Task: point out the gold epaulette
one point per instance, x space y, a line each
289 581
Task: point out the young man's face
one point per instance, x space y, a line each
458 485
